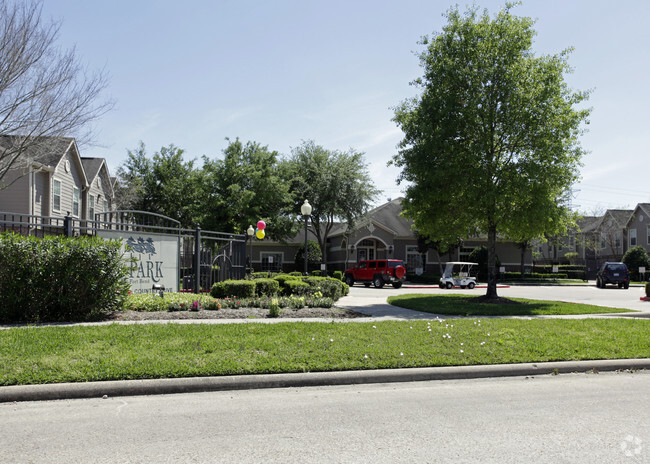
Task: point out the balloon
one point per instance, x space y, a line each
260 234
261 225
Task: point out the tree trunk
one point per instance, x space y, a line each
492 274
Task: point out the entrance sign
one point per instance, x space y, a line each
153 259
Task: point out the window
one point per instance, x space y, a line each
464 253
75 201
271 262
56 195
648 236
105 206
91 207
619 240
632 237
413 259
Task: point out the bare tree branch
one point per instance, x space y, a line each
44 90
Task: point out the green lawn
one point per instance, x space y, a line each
461 305
32 355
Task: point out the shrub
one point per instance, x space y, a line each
283 279
297 287
634 258
274 308
267 287
328 286
233 289
60 279
338 275
647 289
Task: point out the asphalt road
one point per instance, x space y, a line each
373 300
573 418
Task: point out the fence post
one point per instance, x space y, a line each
67 225
197 259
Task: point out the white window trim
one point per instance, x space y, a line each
56 208
75 201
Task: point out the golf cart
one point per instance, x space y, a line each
456 274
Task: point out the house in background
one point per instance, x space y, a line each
54 181
382 234
638 227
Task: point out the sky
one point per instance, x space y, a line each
280 72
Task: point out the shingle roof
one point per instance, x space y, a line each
92 167
47 151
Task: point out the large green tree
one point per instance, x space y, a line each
336 184
492 142
244 187
164 184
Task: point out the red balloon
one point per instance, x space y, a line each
261 225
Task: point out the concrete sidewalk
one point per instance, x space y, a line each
107 389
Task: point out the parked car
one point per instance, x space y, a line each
613 273
377 272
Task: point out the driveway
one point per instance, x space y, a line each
373 301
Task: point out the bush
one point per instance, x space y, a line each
267 287
635 258
296 287
338 275
283 279
647 289
328 286
60 279
233 289
532 276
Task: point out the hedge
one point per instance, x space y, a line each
56 279
233 289
266 287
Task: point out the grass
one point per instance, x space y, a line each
33 355
461 305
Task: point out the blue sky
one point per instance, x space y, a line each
279 72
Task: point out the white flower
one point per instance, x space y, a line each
461 344
461 351
331 339
401 354
365 356
374 326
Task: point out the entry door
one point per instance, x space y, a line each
364 253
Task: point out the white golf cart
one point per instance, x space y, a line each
457 274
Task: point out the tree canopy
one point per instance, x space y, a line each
492 142
336 184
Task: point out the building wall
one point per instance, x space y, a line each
640 223
15 198
69 179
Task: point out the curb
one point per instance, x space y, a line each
106 389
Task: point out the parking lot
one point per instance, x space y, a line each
373 300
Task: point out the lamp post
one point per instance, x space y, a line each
250 232
305 209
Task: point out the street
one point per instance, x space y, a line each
373 300
573 418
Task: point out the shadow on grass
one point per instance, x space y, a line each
460 305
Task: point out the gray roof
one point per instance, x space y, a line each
92 167
387 216
47 151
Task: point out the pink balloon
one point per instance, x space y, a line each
261 225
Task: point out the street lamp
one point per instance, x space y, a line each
250 232
305 209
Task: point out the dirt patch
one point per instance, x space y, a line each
491 300
241 313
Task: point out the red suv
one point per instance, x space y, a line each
377 272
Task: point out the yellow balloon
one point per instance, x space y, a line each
260 234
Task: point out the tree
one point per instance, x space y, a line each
244 187
313 256
635 258
491 143
336 184
44 91
165 184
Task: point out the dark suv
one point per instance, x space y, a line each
613 273
377 272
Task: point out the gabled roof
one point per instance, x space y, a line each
645 207
46 151
93 168
386 216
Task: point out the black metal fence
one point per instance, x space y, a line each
205 257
